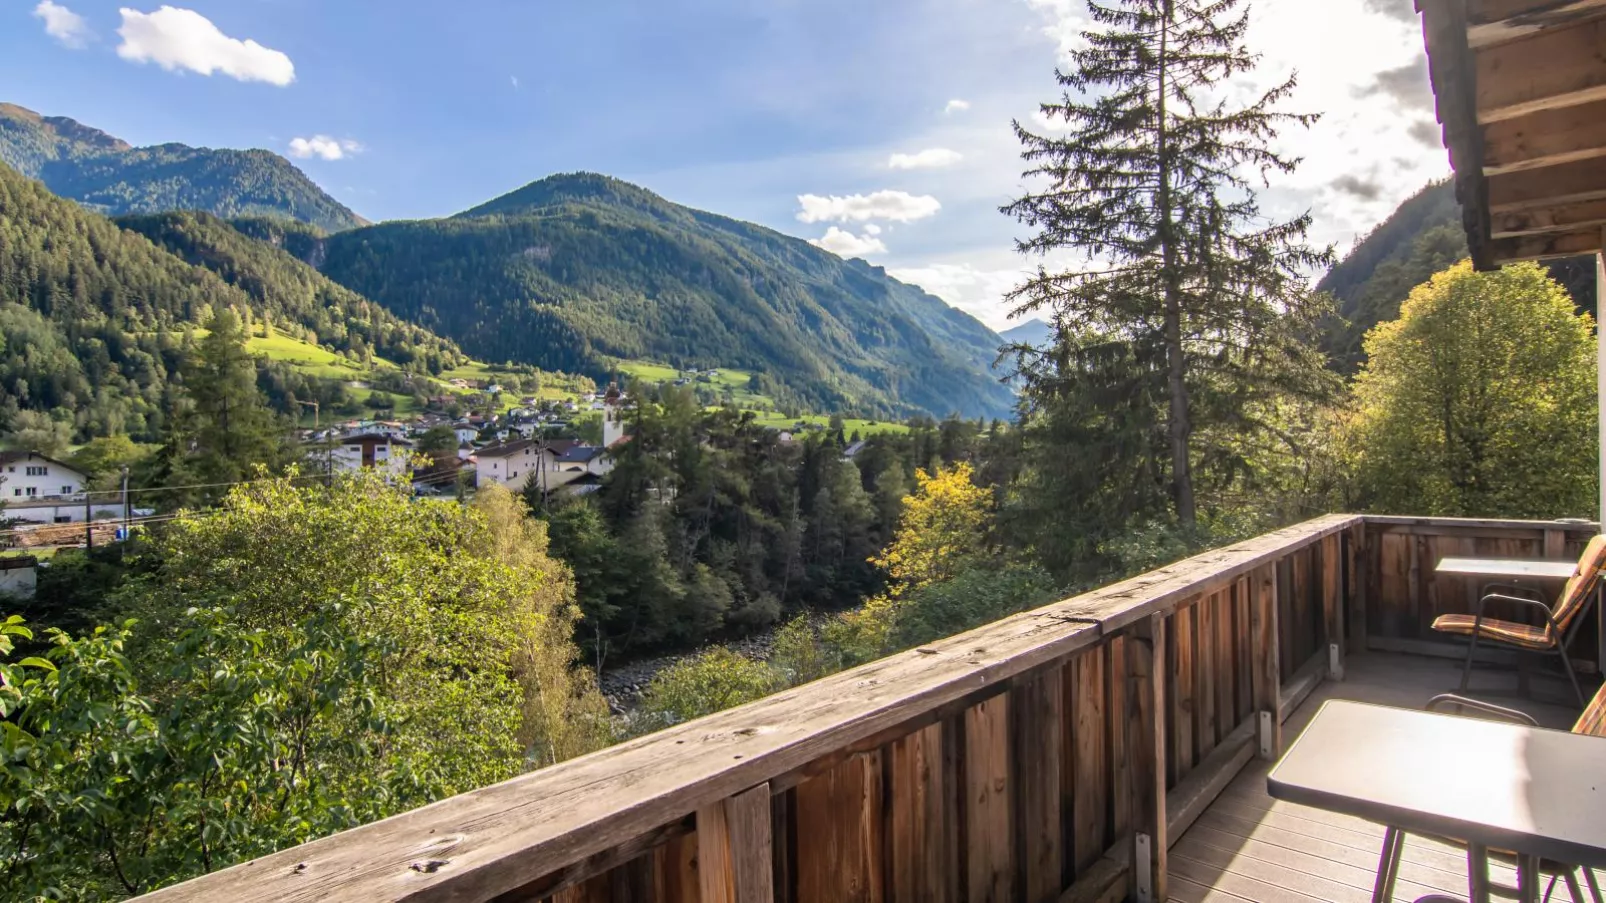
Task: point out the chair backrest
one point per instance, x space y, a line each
1581 586
1593 721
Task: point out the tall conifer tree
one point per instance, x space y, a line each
1192 307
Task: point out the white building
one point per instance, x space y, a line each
379 451
42 490
508 463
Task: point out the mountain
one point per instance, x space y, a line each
1422 237
576 272
1033 332
96 320
109 176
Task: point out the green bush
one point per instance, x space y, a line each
714 681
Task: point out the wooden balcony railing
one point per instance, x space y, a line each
1051 756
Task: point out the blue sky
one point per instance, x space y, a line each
827 119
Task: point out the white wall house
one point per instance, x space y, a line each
43 490
509 463
379 451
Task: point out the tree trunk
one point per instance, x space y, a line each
1179 427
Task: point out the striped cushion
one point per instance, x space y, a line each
1581 587
1524 635
1593 721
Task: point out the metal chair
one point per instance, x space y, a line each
1561 623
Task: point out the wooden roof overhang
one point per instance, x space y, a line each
1521 94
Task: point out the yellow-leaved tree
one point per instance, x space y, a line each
1479 401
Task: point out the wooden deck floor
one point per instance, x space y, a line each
1250 847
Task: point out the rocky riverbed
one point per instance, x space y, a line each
623 684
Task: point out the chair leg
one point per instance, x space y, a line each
1466 670
1594 889
1573 890
1388 865
1567 665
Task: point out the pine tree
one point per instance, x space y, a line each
231 427
1194 308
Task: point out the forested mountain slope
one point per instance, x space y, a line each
289 292
574 271
109 176
94 318
1422 237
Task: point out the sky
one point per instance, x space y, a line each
876 128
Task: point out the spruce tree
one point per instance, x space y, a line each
230 426
1192 309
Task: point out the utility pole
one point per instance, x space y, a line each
128 530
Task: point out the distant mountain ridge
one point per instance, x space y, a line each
574 271
1033 332
107 175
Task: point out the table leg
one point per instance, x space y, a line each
1388 866
1528 879
1478 873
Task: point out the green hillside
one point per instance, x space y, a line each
109 176
574 272
1422 237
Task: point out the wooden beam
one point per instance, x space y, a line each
1551 70
1546 138
1544 247
1146 745
1584 180
1265 675
1491 22
1561 218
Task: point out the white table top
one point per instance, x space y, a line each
1530 790
1532 569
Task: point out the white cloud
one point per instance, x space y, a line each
897 206
872 229
845 244
515 80
1050 123
979 292
63 24
176 39
956 106
930 158
323 147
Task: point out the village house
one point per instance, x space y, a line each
376 450
42 490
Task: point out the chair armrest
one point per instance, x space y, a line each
1514 590
1550 618
1444 700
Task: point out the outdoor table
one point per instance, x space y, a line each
1539 793
1508 568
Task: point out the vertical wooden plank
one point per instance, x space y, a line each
1146 746
1284 622
838 824
915 829
596 889
1115 734
1555 544
1356 585
1087 750
635 881
752 858
1265 678
1038 717
1301 596
783 838
990 847
956 808
1204 682
676 863
1333 604
1242 651
1226 666
1183 675
716 879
